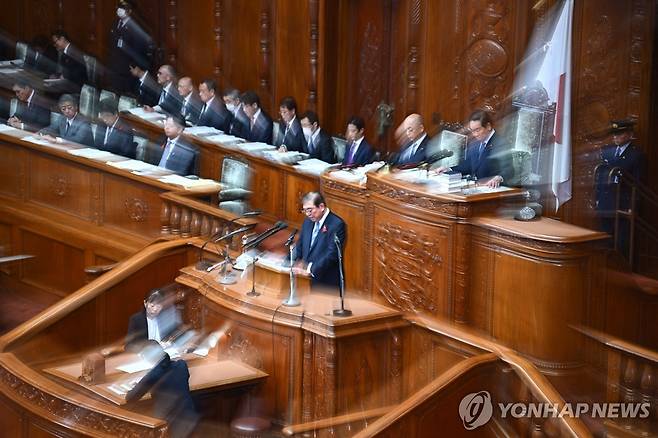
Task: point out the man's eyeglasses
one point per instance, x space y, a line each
307 210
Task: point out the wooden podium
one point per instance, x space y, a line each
273 280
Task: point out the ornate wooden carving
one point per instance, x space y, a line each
314 19
136 209
68 413
243 349
415 20
460 288
172 31
414 199
218 32
307 378
408 262
60 184
92 22
265 49
330 378
371 70
164 218
396 367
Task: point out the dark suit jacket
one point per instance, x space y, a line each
216 115
168 383
72 65
293 138
262 130
419 156
172 101
36 115
136 49
148 92
239 124
42 63
184 158
323 254
120 141
363 154
495 160
323 149
632 161
79 132
192 108
138 330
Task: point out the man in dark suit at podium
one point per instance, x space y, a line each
358 152
259 128
178 155
414 150
487 155
114 135
316 245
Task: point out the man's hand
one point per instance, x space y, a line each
14 122
283 148
494 182
148 109
441 169
49 138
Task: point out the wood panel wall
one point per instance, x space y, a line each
343 57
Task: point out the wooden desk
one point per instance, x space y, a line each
205 374
277 188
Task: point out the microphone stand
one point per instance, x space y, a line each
342 311
252 292
292 300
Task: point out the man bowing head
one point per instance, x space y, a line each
316 245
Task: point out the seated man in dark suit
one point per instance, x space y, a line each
316 245
169 101
487 154
178 155
168 383
114 135
71 62
191 105
358 152
157 321
414 151
32 112
148 90
319 144
214 112
73 127
240 121
39 58
293 137
259 128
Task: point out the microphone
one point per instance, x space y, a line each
290 238
254 242
234 232
438 156
203 264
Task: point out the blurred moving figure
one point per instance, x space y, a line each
114 135
157 321
32 112
168 383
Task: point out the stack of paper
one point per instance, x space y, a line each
11 63
4 127
133 165
348 176
38 140
290 157
226 140
188 183
146 115
95 154
256 147
312 166
203 131
447 183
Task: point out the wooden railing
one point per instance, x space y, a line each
630 377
